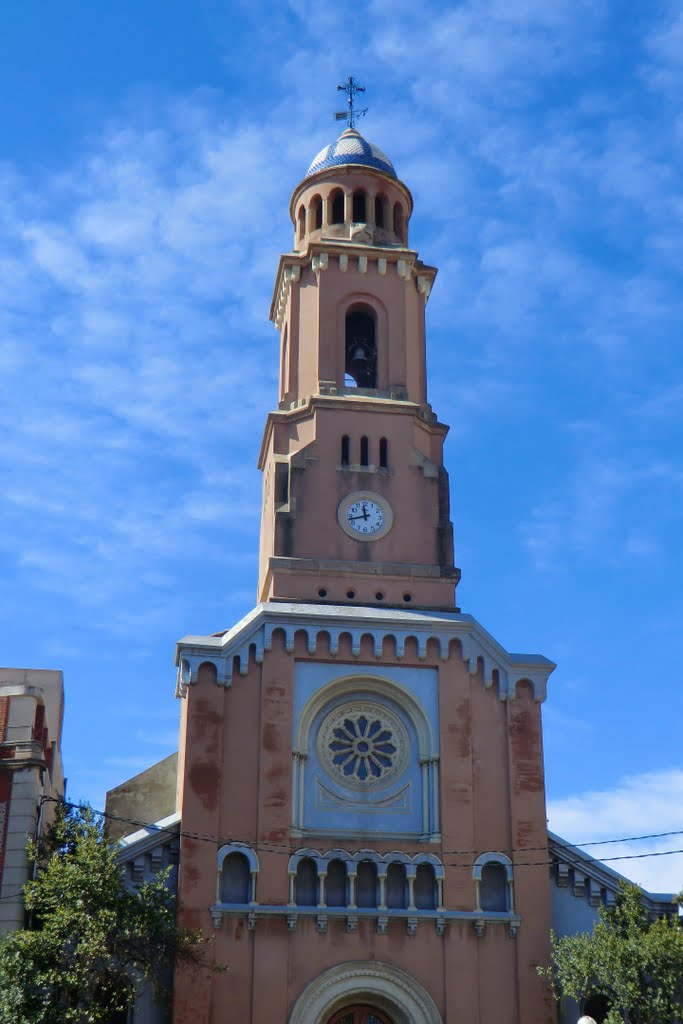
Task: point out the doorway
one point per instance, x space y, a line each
359 1015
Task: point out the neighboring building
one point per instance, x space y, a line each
146 797
580 885
31 775
360 776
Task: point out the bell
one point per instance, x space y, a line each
359 356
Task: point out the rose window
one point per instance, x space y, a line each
362 744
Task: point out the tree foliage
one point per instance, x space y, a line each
92 942
635 963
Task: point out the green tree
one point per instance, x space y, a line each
92 943
635 963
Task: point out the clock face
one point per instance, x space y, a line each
364 515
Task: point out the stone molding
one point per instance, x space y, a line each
390 989
591 878
252 637
359 256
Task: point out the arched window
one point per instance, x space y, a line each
425 887
336 884
366 884
383 453
345 450
493 887
396 886
301 223
379 211
316 213
235 879
364 451
361 349
306 884
359 207
337 198
399 222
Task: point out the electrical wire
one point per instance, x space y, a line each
286 850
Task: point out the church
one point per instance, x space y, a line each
357 808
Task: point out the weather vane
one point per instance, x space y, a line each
352 115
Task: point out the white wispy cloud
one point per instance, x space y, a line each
638 805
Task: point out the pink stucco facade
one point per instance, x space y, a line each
357 710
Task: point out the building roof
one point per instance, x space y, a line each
351 148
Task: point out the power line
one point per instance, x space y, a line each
283 849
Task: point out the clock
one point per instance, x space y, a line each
365 515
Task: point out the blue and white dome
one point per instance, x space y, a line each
351 148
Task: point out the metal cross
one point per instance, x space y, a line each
350 116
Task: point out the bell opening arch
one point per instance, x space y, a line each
362 325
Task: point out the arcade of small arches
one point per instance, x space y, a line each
392 881
363 880
346 207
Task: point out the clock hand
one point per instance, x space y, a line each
351 518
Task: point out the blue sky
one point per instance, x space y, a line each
148 153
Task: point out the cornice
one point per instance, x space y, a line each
365 404
598 876
148 838
252 637
405 262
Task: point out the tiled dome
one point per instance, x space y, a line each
351 148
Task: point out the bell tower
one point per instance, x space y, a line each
360 772
355 496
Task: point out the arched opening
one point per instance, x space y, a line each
359 207
425 887
235 879
396 886
493 887
337 198
596 1006
364 452
336 884
383 453
306 883
301 223
284 356
345 450
360 363
379 211
399 225
359 1015
366 884
316 213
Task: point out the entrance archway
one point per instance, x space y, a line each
359 1015
392 995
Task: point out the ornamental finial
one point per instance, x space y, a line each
350 87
